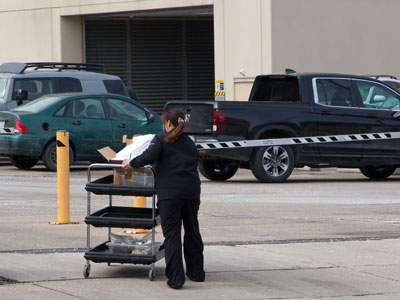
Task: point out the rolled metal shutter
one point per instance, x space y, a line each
161 59
157 61
106 44
200 60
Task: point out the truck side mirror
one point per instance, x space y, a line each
21 96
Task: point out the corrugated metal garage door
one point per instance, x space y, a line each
161 59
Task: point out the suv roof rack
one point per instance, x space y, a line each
20 68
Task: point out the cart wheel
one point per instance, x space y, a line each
86 271
152 274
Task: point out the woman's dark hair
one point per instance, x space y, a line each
177 118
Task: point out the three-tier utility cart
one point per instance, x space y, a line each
142 184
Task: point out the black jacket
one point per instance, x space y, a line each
175 167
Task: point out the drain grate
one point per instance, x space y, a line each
4 280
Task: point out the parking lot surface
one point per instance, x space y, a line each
325 234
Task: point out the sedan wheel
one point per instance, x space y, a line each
49 156
377 173
217 170
23 162
272 164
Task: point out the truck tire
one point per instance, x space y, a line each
272 164
377 173
217 170
49 156
23 162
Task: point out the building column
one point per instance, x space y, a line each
242 34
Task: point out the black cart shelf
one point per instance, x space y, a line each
121 217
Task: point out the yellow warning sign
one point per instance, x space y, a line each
219 90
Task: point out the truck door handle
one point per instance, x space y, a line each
78 123
326 112
122 125
396 114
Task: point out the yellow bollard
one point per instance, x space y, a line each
139 201
63 197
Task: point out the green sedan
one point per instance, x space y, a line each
28 132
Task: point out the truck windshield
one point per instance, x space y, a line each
3 83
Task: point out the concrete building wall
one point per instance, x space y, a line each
26 35
51 30
357 36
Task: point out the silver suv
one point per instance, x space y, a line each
22 82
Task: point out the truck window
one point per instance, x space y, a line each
276 89
374 95
334 92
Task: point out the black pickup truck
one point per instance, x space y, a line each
299 105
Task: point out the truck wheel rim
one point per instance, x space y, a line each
275 161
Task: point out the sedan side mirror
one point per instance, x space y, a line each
21 96
150 118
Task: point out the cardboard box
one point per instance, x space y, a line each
124 176
119 173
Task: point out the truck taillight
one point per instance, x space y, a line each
219 118
20 127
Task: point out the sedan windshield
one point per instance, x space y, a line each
3 83
38 104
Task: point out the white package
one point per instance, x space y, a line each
138 146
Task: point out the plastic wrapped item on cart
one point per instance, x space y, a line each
136 249
129 239
130 245
138 178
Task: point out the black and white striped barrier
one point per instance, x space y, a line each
299 140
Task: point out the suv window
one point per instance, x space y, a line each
37 87
115 87
3 83
66 85
334 92
374 95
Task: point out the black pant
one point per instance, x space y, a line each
172 213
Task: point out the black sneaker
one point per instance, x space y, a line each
196 278
176 287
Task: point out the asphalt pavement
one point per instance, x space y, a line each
332 235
